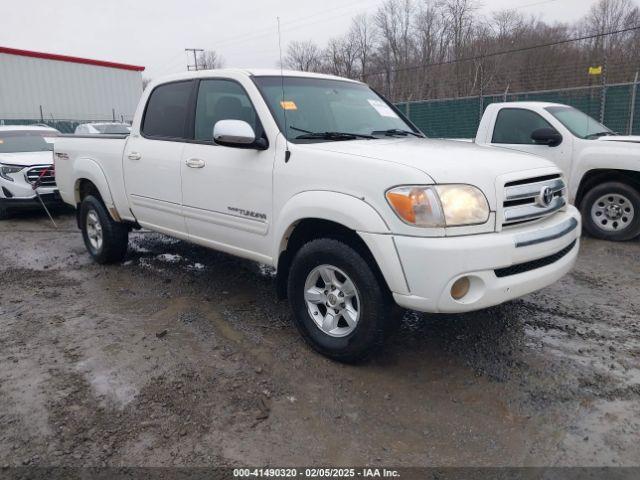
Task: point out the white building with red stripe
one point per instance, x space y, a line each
44 87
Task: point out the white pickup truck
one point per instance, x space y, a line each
602 168
326 181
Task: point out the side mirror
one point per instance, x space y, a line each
547 136
236 133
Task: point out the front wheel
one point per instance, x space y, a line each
340 307
611 211
105 239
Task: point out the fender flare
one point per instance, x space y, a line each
351 212
89 169
347 210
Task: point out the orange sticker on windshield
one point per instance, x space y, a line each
288 105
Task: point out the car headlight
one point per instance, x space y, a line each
439 205
5 170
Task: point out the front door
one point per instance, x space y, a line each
227 192
152 160
513 130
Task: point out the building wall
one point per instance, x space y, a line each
65 90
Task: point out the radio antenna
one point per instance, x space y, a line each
283 104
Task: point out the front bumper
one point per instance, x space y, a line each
501 266
52 199
19 193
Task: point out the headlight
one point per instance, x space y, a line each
439 205
5 170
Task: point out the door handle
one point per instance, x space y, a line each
195 163
134 156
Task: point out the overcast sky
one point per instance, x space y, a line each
154 33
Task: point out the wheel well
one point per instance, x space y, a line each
595 177
84 188
310 229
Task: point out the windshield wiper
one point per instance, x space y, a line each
396 131
308 135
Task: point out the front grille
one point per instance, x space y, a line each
524 200
534 264
46 179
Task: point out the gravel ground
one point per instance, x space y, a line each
183 357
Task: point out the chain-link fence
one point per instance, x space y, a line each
447 99
615 105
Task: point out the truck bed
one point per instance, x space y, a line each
94 158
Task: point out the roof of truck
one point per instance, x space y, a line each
529 104
252 72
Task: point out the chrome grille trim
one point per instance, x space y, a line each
529 212
47 180
532 189
524 202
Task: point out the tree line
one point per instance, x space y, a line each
417 49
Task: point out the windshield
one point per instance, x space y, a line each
315 106
578 123
24 141
112 128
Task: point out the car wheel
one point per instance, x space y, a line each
339 306
105 239
611 211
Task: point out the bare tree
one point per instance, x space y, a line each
417 49
393 20
341 56
304 56
210 60
606 16
363 35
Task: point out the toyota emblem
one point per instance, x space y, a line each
546 196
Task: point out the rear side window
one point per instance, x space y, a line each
515 126
167 109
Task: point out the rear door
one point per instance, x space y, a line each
227 192
152 159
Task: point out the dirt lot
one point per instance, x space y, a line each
183 356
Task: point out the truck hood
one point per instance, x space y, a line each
445 161
621 138
27 159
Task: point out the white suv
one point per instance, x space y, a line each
26 164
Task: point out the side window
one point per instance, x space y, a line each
222 100
515 126
167 110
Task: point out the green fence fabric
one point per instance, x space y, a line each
460 117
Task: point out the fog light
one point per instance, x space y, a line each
460 288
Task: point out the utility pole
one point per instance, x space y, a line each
195 57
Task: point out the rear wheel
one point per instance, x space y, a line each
105 239
611 211
340 307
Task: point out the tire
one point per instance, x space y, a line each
370 310
611 211
106 240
